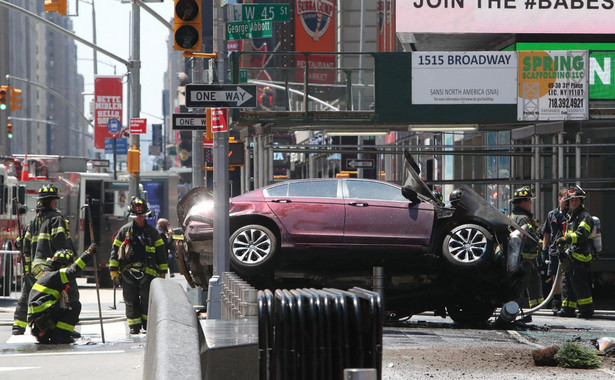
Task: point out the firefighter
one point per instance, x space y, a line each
47 233
21 309
552 229
138 255
575 245
454 197
50 314
521 214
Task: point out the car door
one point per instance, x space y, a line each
378 214
311 211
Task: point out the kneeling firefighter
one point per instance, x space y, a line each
50 314
138 255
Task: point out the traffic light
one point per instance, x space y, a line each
187 25
9 130
59 6
3 93
134 160
15 98
236 153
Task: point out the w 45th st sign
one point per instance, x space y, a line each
225 95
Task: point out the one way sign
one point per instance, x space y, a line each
225 95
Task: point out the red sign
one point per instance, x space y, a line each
107 105
138 126
386 25
315 31
208 144
219 119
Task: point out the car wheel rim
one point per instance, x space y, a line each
468 245
251 246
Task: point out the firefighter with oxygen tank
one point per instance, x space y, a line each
138 255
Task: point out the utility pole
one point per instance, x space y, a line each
135 88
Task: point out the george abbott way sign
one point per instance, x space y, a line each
225 95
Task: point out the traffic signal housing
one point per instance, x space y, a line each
59 6
134 160
187 29
9 130
3 97
15 99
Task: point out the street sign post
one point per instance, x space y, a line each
249 29
221 95
114 126
355 163
273 12
189 121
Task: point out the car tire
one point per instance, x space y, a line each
470 313
468 246
253 249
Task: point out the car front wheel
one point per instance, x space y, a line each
468 246
253 249
470 313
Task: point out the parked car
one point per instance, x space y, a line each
331 233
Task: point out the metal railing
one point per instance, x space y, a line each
238 297
10 274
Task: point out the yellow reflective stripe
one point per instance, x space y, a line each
163 267
135 321
65 326
57 230
573 236
20 323
567 303
41 308
586 301
117 243
144 317
80 263
151 272
63 275
46 290
529 256
158 243
586 226
114 263
536 302
43 236
150 249
581 257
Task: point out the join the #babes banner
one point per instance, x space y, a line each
553 85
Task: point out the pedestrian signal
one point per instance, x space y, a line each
187 25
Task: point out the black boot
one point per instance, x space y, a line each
18 330
135 329
556 304
60 336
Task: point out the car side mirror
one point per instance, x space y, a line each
410 194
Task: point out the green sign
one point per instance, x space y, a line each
249 29
243 76
246 12
602 75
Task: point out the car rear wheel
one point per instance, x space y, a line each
253 249
468 246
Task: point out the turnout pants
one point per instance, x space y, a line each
21 310
576 289
532 282
135 289
56 321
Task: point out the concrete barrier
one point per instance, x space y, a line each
174 335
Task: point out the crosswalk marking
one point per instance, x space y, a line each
114 332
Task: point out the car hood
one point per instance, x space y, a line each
471 206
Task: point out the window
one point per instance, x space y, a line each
374 190
313 189
277 191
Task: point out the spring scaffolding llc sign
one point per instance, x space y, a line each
553 85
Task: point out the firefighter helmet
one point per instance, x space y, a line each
62 258
138 206
454 197
522 194
575 192
48 191
437 195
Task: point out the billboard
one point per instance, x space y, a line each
315 32
464 77
507 16
553 85
602 75
108 104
